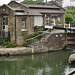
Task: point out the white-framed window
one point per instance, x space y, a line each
5 21
23 26
38 20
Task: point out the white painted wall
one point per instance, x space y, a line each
38 20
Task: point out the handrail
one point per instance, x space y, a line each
39 35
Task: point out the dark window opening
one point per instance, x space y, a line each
19 10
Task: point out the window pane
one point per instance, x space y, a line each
3 19
6 21
23 25
3 27
3 23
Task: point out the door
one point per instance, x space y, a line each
5 25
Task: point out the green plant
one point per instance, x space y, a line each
59 21
69 18
27 43
9 44
52 21
73 21
3 43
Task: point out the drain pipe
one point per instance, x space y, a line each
15 29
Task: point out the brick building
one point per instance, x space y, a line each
16 18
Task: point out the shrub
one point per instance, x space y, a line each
9 44
27 43
29 36
3 43
69 18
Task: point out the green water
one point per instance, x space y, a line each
52 63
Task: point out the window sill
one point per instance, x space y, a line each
23 30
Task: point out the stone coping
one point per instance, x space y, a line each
16 51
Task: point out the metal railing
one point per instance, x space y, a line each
39 35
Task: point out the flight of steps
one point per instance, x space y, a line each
71 40
41 44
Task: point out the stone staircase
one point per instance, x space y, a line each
71 40
41 45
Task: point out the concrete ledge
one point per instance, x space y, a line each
71 58
20 51
16 51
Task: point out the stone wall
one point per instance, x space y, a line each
29 27
54 42
16 51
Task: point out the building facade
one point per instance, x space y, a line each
16 18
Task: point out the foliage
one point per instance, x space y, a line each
25 34
72 11
52 21
38 28
27 43
33 35
73 21
3 43
70 15
69 18
28 35
8 44
59 21
69 11
33 2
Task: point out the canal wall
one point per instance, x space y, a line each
55 41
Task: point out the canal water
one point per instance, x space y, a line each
52 63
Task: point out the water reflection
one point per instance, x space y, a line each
53 63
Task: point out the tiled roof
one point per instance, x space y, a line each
39 6
36 9
44 11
